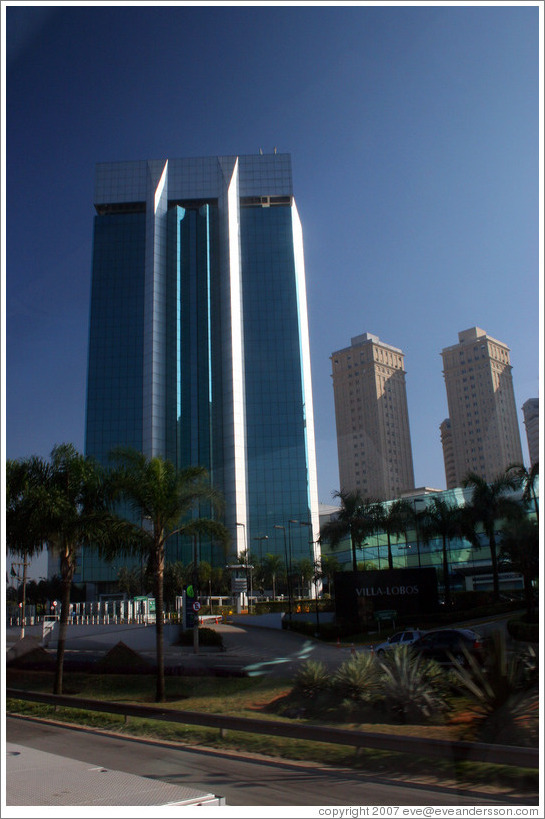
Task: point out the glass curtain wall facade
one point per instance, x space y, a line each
198 347
470 567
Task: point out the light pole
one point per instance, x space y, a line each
25 564
245 553
195 587
289 542
261 539
287 570
310 540
415 501
314 562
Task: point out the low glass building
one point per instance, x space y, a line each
469 566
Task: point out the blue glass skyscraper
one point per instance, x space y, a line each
198 347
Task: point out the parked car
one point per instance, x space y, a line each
447 644
401 638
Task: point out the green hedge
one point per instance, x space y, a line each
298 606
207 637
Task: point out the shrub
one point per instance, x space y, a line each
412 687
357 678
312 678
207 637
505 692
503 675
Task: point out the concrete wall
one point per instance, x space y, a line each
97 637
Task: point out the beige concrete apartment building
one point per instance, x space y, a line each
481 434
372 419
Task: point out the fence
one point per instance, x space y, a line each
416 746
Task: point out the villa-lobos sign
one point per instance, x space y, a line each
359 595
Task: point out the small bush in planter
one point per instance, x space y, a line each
312 678
411 686
357 678
207 637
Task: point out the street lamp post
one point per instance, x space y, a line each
310 540
195 587
261 539
311 543
315 577
290 553
245 554
287 570
25 564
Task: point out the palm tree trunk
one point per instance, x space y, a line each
159 625
67 572
390 558
494 560
446 579
528 596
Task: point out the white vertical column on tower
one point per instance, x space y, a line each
304 343
233 356
154 414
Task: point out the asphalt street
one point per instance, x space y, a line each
242 779
246 780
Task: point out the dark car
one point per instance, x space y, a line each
447 644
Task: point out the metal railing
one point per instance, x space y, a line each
416 746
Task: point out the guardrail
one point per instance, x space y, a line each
416 746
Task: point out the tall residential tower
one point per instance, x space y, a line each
484 432
373 437
530 410
199 347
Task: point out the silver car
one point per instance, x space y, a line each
400 638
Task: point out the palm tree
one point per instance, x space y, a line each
64 504
519 547
163 500
175 577
329 566
527 479
272 565
304 570
130 581
356 519
394 520
25 495
487 506
444 520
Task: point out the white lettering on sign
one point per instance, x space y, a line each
393 591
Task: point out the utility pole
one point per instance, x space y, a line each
15 573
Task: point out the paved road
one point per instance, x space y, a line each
259 651
277 653
244 780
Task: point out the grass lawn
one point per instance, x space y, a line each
262 698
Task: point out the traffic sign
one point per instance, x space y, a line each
196 605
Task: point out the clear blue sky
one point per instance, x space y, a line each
414 135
